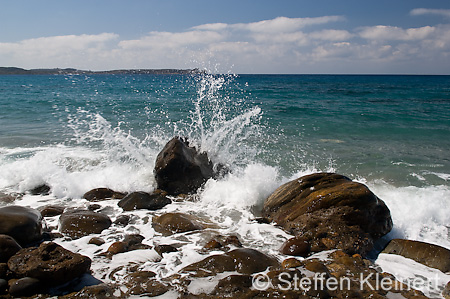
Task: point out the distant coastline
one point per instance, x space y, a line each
72 71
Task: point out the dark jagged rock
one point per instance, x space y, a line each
171 223
223 242
180 168
8 247
433 256
43 189
161 249
329 211
6 198
77 224
242 260
122 220
144 200
51 210
102 194
50 263
21 223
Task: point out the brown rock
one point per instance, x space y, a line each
26 286
144 200
171 223
23 224
122 220
50 263
100 291
96 241
6 198
51 210
233 284
160 249
446 291
8 247
242 260
296 246
77 224
330 211
102 194
180 168
291 263
433 256
142 282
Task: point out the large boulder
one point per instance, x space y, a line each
180 168
21 223
431 255
78 224
329 211
144 200
50 263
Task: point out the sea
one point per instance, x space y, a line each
79 132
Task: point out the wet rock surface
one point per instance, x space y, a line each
433 256
329 211
51 210
242 260
50 263
77 224
21 223
144 200
180 168
171 223
8 247
102 194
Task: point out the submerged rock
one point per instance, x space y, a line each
21 223
433 256
43 189
8 247
77 224
180 168
329 211
144 200
102 194
26 286
50 263
171 223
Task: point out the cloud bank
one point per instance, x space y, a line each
280 45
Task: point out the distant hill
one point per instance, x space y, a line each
71 71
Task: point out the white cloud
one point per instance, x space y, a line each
396 33
428 11
282 44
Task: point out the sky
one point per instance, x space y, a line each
259 36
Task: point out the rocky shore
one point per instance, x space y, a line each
336 227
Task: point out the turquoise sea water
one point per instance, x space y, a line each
394 128
76 133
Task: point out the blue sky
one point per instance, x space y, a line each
320 36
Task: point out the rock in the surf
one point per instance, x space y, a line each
181 169
242 260
77 224
431 255
172 223
102 194
329 211
50 263
8 247
143 200
21 223
25 287
43 189
51 210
